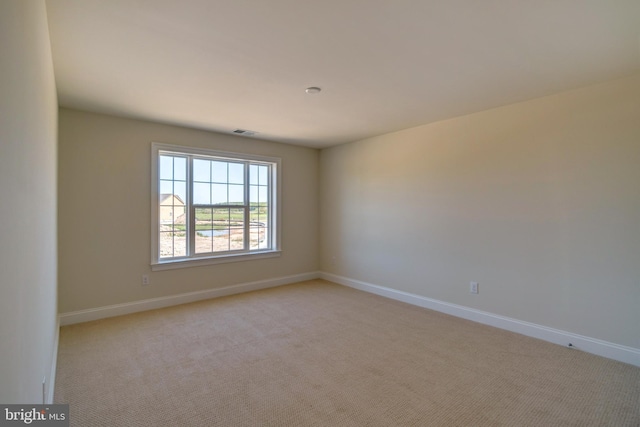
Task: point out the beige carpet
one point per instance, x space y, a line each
319 354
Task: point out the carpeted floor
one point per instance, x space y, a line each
320 354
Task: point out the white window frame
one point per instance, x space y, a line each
193 260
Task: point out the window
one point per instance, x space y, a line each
211 207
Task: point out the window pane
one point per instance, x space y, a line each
204 227
201 193
265 242
254 217
173 244
258 238
259 215
203 241
166 196
180 243
180 168
221 241
263 172
179 215
236 242
180 190
204 216
236 217
166 245
166 188
166 167
263 195
236 229
219 172
236 173
166 214
219 194
201 170
253 174
221 229
236 194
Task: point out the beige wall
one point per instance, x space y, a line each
28 123
537 201
105 212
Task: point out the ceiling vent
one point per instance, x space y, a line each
244 132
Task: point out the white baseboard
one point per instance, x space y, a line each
610 350
150 304
54 365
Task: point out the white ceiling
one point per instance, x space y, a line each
383 65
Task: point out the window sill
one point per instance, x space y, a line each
219 259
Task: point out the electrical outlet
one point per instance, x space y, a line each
473 287
145 279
